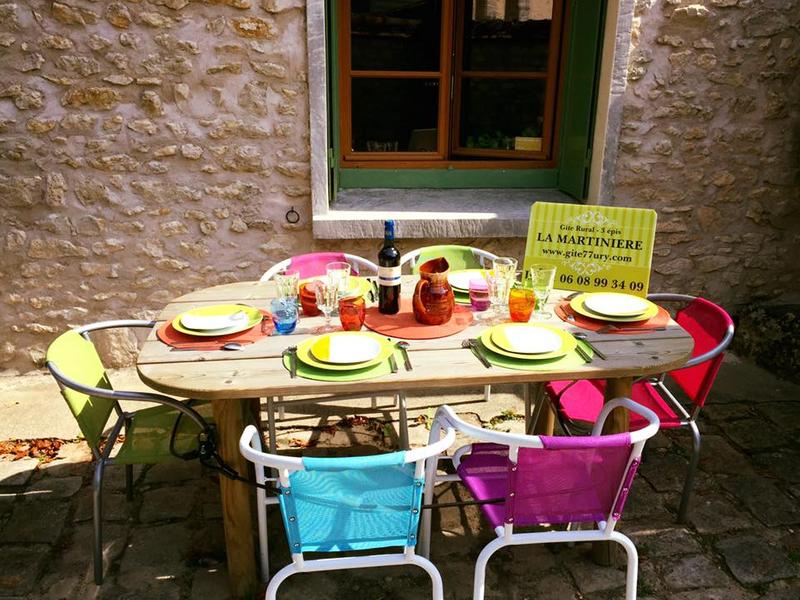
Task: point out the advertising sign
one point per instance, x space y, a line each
595 248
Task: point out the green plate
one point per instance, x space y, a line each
254 317
377 370
568 346
306 357
577 305
570 360
359 286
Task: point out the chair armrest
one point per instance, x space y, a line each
636 436
114 324
446 417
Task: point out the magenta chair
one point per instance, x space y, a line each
312 265
522 481
712 329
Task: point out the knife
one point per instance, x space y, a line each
392 363
471 344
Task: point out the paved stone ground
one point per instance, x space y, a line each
742 541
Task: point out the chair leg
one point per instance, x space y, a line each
436 577
632 574
683 509
479 582
97 520
487 393
129 482
279 578
281 409
400 399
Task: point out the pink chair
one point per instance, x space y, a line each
311 265
712 330
523 481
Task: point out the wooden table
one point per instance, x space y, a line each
231 379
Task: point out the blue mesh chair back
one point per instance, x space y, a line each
357 503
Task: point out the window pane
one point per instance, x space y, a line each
502 114
395 115
396 35
507 35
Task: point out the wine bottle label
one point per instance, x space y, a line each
389 276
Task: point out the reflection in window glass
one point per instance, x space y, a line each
502 114
397 35
507 35
395 115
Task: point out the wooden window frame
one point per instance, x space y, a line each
450 75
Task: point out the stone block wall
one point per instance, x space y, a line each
147 148
711 140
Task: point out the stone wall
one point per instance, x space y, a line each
151 147
710 140
146 149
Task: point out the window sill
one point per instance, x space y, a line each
432 213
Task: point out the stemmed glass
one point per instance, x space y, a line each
327 294
543 277
338 273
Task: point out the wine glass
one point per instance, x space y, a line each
543 277
327 295
338 273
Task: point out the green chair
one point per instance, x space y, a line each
152 435
458 257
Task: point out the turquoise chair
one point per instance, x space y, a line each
342 504
458 257
152 435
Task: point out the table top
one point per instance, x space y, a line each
257 370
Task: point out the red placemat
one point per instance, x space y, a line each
566 313
172 337
403 325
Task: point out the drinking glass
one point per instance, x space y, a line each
497 295
479 294
339 276
287 282
352 312
542 279
327 296
284 315
521 301
505 268
308 298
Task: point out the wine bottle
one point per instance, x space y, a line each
389 273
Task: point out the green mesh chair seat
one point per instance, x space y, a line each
362 503
147 437
458 257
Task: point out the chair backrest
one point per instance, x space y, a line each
76 359
711 327
313 264
353 503
458 257
570 479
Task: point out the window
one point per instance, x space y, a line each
427 82
462 93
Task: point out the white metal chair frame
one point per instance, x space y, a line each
361 263
687 419
251 448
102 457
446 419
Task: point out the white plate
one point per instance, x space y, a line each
345 347
526 338
214 322
460 279
616 305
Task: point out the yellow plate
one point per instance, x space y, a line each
347 348
304 352
219 310
577 305
568 345
359 286
526 338
459 280
613 304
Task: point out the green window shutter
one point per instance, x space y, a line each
585 33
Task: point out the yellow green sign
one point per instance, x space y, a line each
595 248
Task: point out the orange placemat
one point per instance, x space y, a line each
565 313
403 325
172 337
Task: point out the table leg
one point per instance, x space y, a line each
231 416
617 422
545 421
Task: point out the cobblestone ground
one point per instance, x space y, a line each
742 541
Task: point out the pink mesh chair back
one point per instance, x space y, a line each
708 324
571 479
312 265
